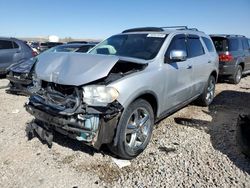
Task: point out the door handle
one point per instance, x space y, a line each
209 62
189 67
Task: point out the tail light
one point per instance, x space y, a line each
34 53
226 57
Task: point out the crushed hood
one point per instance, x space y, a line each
73 68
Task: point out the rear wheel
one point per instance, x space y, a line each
237 75
208 94
137 125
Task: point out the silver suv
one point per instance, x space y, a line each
114 94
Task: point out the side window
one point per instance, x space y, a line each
4 44
235 44
249 43
15 45
245 44
177 43
209 44
195 47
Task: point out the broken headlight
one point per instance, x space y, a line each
95 95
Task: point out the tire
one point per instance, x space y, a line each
134 135
235 79
208 94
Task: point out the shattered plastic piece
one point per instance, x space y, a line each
121 163
16 111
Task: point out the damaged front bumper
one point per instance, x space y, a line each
92 125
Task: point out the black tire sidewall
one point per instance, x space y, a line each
235 81
122 149
203 100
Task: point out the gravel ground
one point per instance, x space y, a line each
194 147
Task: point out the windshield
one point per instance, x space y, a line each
142 46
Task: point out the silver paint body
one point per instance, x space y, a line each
171 84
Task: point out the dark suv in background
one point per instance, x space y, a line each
13 51
234 56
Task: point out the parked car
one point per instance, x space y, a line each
115 93
21 75
234 56
47 45
77 42
72 47
13 51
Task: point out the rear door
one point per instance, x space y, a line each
246 48
6 54
178 83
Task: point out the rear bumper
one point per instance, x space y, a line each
226 69
94 127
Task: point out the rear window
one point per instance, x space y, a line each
5 44
220 43
208 44
195 47
84 49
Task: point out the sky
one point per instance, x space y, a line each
99 19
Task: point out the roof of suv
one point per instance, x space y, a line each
164 30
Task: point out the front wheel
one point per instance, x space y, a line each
208 94
136 129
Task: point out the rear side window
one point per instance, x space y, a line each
195 47
5 44
245 44
235 44
15 45
208 44
249 42
177 43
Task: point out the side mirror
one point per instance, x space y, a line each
178 55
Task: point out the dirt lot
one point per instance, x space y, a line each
195 147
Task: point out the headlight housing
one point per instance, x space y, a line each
95 95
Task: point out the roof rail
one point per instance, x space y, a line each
235 36
226 35
158 29
143 29
175 27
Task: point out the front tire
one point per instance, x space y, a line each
136 129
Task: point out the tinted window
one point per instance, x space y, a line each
195 47
249 42
235 44
15 45
143 46
208 44
245 44
177 43
4 44
220 43
84 49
